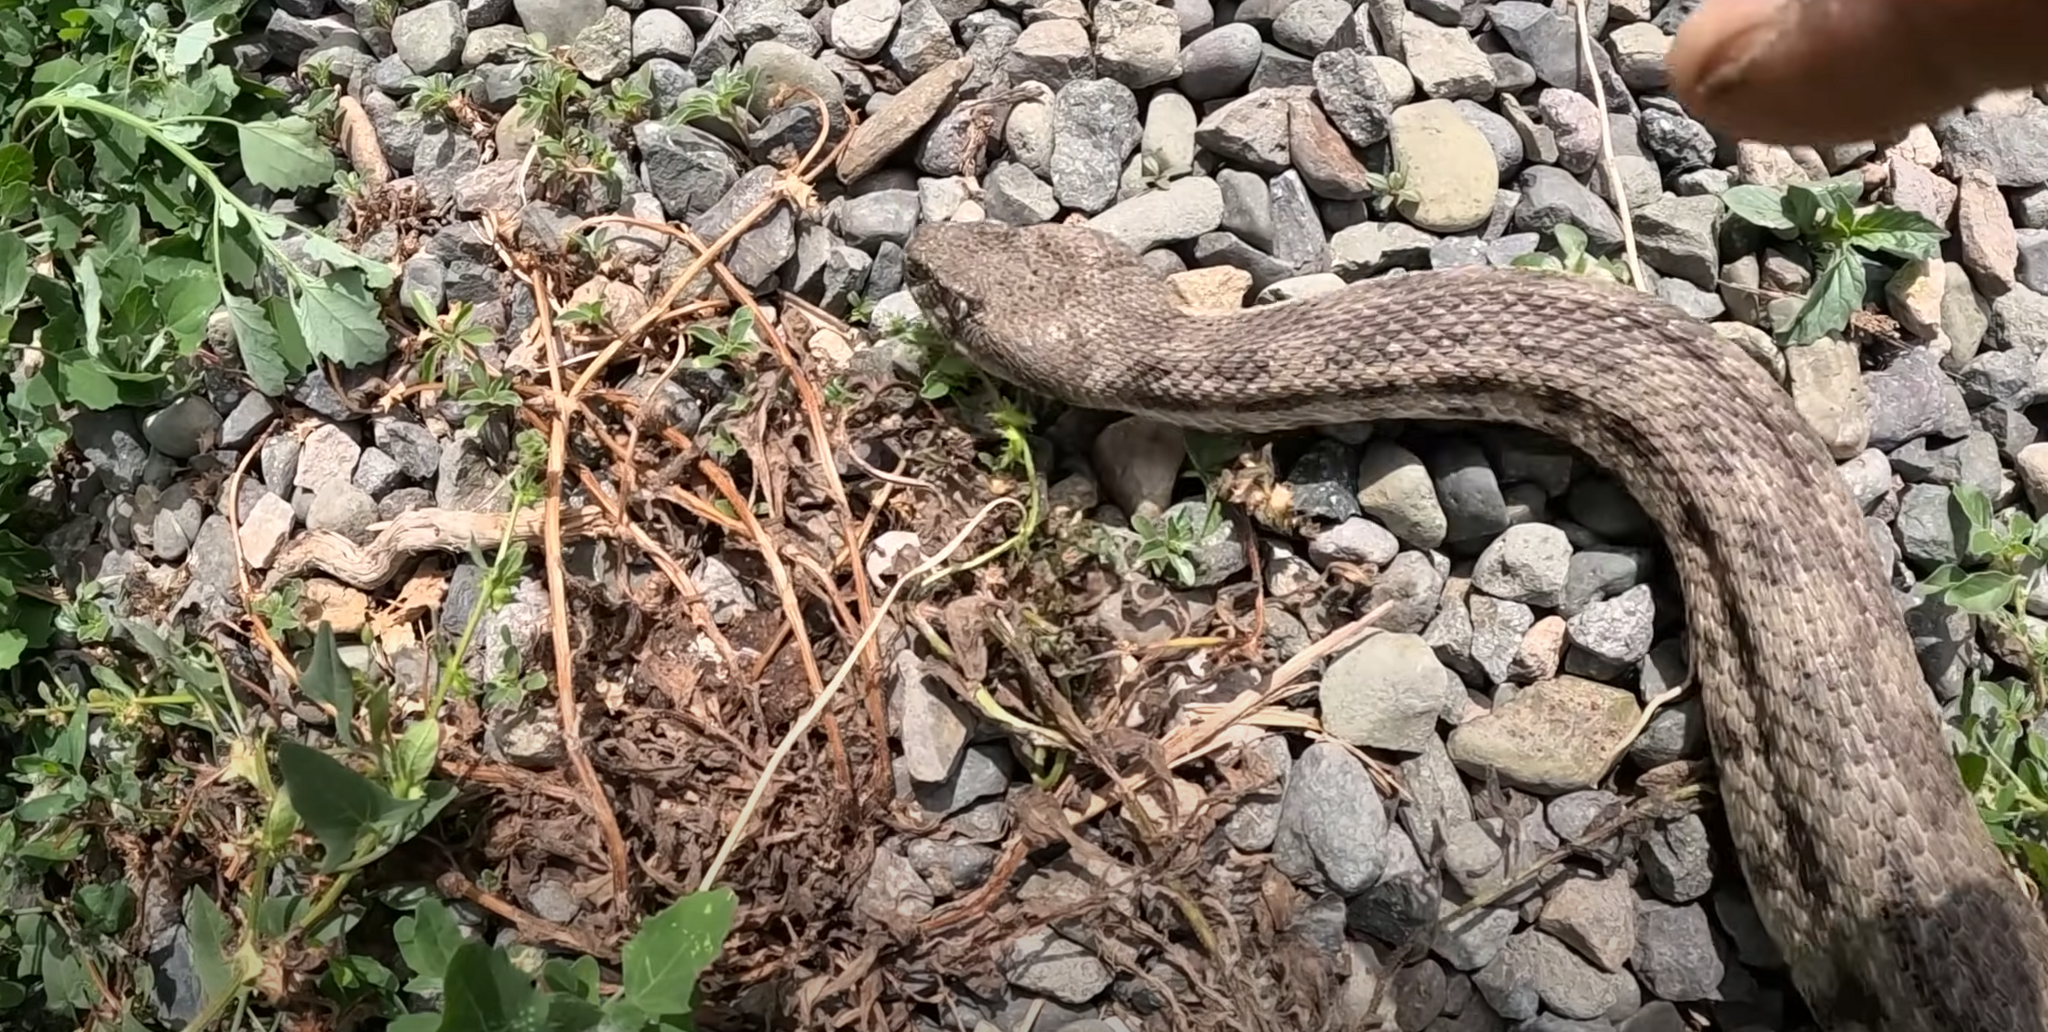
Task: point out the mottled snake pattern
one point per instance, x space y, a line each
1865 855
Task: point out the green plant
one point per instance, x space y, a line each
1390 188
120 239
736 340
481 986
2001 754
590 314
722 99
556 102
1841 234
1571 257
1167 542
859 308
434 96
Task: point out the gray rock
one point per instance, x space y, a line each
1014 195
1333 826
1386 693
430 38
1355 540
1529 562
1675 954
1054 52
1396 489
1677 237
558 22
1184 210
1349 88
1551 197
923 41
184 428
1095 128
2012 145
761 250
1678 859
343 508
1446 62
1610 636
1044 962
1219 63
663 34
1137 43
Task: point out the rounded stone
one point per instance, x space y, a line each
1449 165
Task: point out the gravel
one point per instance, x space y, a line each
1251 152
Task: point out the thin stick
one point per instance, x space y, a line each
817 707
1628 231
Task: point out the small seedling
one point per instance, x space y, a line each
1571 257
737 340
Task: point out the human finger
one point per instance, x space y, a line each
1834 71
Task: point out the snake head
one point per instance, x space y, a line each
1021 301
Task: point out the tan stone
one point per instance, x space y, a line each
1451 177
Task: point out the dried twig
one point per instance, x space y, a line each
1628 232
817 707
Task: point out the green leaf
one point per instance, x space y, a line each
1983 593
14 269
1807 207
328 681
210 957
257 341
192 43
414 757
93 385
341 324
1760 206
427 939
238 250
17 177
484 992
1897 232
662 961
1983 542
1973 767
337 804
187 302
291 341
415 1023
1836 293
89 301
285 155
1976 505
1570 239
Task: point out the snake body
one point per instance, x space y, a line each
1865 854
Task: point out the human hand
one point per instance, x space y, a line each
1837 71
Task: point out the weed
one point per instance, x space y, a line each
736 340
436 95
2001 752
1571 257
1167 542
1841 235
723 99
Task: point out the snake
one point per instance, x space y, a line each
1865 854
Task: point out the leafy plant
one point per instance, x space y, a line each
1571 257
121 240
1841 234
2002 755
722 99
736 340
481 986
438 95
1167 542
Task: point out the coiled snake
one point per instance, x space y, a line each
1865 855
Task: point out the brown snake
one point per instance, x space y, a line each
1866 856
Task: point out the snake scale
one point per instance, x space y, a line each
1864 853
